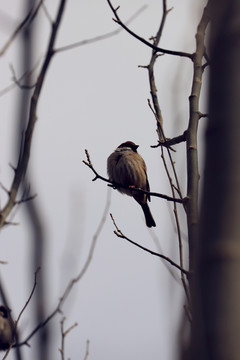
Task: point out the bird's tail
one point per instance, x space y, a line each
148 216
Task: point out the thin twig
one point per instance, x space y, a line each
119 234
30 16
173 188
30 296
99 37
169 142
48 16
158 115
64 333
20 314
18 80
87 350
25 199
180 246
24 155
75 280
156 48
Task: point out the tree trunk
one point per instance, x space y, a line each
216 325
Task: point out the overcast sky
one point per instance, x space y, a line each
95 97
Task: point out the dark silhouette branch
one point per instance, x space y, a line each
17 81
169 142
119 234
175 187
156 48
100 37
74 281
24 155
30 296
20 314
26 21
201 115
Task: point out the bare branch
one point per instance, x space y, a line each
87 350
30 16
75 280
64 333
119 234
191 136
25 154
45 10
18 83
29 198
100 37
30 296
156 48
175 211
20 314
163 142
169 142
153 89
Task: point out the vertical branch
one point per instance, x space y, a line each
39 260
64 333
153 88
24 153
27 119
180 247
191 137
158 115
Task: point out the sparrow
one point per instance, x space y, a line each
6 328
126 167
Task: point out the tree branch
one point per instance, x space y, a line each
74 281
20 314
24 155
153 89
29 17
87 350
64 333
169 142
100 37
156 48
119 234
191 136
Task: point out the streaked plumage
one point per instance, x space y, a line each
126 167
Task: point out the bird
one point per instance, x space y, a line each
6 328
126 167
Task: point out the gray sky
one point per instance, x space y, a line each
95 97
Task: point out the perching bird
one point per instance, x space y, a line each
6 328
126 167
